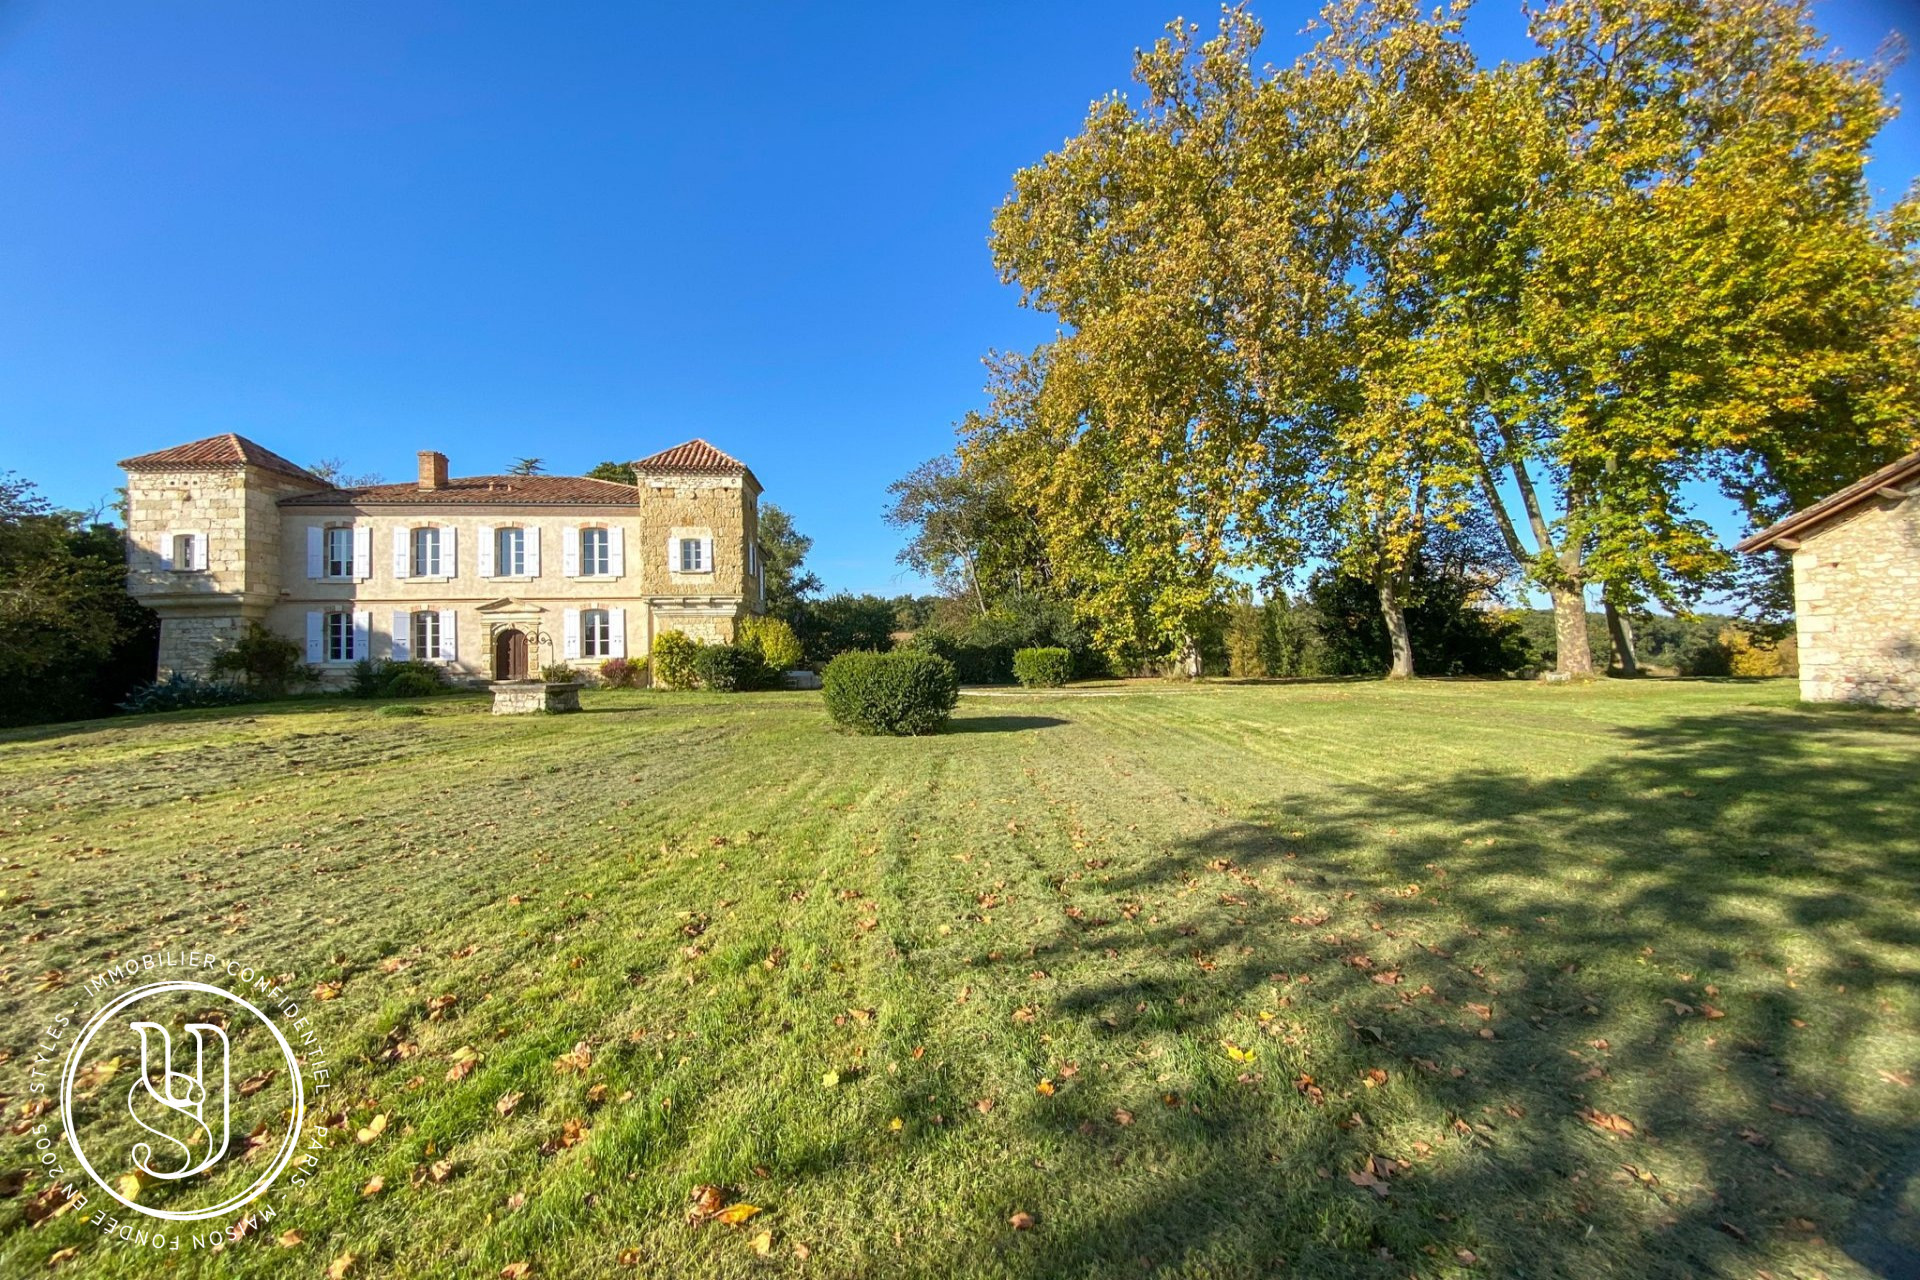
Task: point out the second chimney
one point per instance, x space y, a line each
433 469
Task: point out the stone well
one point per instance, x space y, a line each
528 697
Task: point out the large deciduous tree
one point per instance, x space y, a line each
1334 306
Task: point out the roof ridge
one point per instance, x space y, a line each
1835 503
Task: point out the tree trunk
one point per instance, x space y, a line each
1399 641
1575 656
1620 631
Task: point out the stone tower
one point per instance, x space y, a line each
203 541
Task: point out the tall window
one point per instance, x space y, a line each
594 554
596 636
426 635
339 553
185 551
510 552
340 638
426 553
693 555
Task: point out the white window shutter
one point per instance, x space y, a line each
570 550
447 647
532 535
402 635
706 555
402 557
570 633
449 551
616 633
673 554
166 549
617 551
316 648
316 564
362 552
362 627
483 554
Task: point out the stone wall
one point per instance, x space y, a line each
1856 585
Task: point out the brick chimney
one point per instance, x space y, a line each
433 469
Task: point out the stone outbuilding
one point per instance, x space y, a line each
1856 588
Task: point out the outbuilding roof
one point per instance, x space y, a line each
1884 483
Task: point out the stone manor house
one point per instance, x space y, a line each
492 577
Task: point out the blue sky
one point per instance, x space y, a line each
577 231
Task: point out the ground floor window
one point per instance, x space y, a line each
596 635
339 636
426 635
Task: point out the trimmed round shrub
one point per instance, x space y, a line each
1042 668
413 684
906 692
727 668
672 660
401 709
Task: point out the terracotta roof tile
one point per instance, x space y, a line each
694 455
518 491
1891 476
225 450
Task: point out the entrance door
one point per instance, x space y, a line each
510 655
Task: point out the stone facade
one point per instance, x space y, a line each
223 533
1856 588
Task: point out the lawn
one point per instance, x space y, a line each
1337 979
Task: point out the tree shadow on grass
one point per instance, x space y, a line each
1650 1018
1001 724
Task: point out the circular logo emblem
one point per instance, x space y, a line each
182 1100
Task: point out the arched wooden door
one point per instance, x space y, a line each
510 655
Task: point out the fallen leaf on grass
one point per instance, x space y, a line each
516 1271
1606 1122
507 1102
1122 1117
1045 1088
735 1214
62 1256
327 990
1021 1221
374 1128
341 1266
763 1243
375 1185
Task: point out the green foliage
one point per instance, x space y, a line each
906 692
387 679
783 554
1451 636
183 693
1705 655
264 661
528 467
729 668
843 623
969 531
399 709
981 646
73 643
559 673
622 673
773 639
672 660
618 472
1047 668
